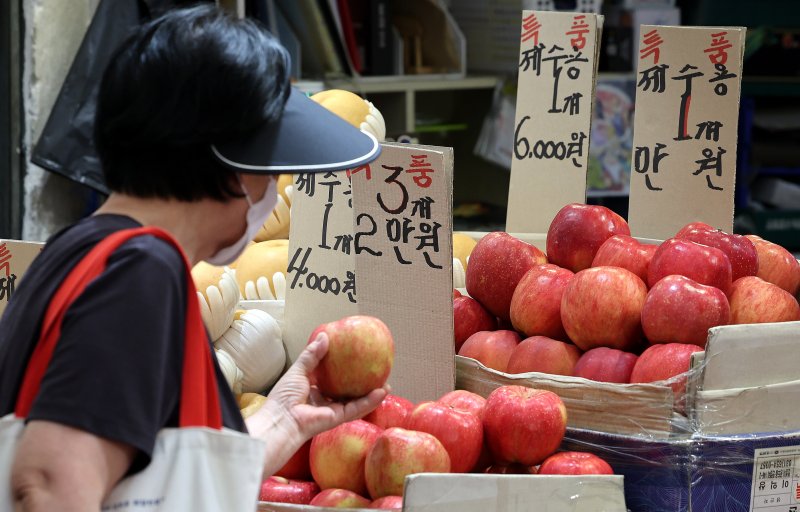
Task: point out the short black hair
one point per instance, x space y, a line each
191 78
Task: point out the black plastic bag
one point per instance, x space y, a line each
66 145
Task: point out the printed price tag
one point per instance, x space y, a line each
555 96
402 215
776 480
685 128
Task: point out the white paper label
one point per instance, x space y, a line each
776 480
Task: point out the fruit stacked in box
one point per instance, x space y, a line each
363 463
603 306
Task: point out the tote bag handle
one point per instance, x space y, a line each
199 399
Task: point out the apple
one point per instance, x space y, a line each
281 490
511 469
359 359
605 364
495 267
701 263
625 252
602 306
755 301
391 412
470 317
741 252
465 401
523 425
575 463
665 362
492 348
460 432
577 232
456 294
536 304
680 310
399 452
545 355
777 265
388 503
337 455
297 467
339 498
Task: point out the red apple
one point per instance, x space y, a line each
460 432
625 252
511 469
706 265
280 490
492 348
465 401
602 306
755 301
496 265
679 310
694 226
740 251
577 232
605 364
456 294
485 460
523 425
391 412
297 467
359 359
575 463
536 303
399 452
545 355
777 265
337 455
339 498
388 503
470 317
666 362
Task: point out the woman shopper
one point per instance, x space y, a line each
195 118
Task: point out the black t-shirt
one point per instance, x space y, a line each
116 369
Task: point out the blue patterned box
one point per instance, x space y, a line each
657 472
699 473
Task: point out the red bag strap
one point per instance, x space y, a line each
199 401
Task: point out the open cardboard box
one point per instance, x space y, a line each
428 492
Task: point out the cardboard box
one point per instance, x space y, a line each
428 492
15 258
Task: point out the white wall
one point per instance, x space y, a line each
54 30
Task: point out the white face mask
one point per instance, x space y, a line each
257 215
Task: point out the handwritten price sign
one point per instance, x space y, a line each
555 94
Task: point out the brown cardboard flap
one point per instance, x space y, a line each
402 212
555 97
636 409
321 260
685 128
15 258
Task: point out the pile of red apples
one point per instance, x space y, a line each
363 463
603 306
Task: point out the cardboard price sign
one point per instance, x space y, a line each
555 96
321 272
402 208
684 144
15 258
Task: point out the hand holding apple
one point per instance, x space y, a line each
359 359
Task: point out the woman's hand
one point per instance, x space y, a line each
295 411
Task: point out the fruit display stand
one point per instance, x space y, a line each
512 493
